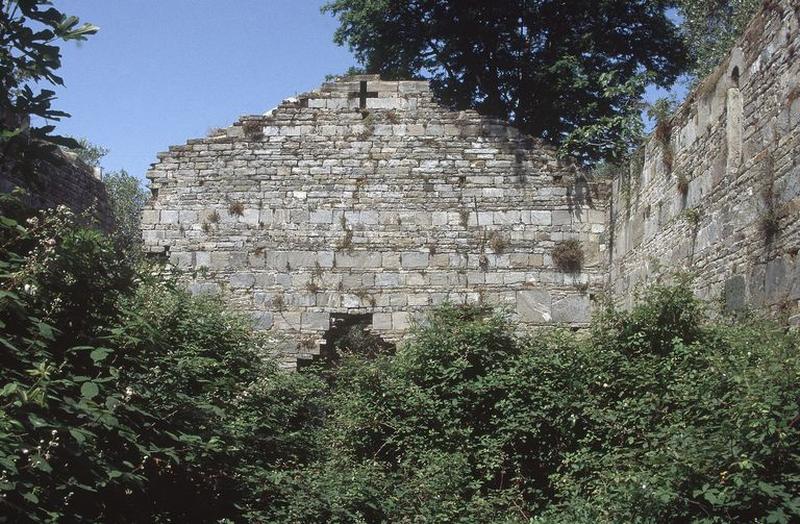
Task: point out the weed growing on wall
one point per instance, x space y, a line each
568 255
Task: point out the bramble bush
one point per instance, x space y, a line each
656 415
126 399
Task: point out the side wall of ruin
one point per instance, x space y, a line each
68 182
718 190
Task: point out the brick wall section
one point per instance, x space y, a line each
70 182
736 142
321 208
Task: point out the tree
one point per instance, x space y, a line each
710 27
91 154
28 58
537 63
127 201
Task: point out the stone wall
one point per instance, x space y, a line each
67 181
719 189
383 202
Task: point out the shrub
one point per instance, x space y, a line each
69 437
568 255
498 243
253 129
127 399
236 209
658 415
217 399
769 224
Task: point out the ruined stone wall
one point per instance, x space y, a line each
66 182
719 189
322 207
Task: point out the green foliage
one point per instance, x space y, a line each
215 393
539 64
657 415
710 28
91 154
615 136
69 440
126 399
127 198
29 30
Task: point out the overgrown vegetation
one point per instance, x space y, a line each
29 60
568 255
127 198
710 28
126 399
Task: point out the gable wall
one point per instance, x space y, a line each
320 208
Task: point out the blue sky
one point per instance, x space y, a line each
162 71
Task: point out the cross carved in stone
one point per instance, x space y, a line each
362 94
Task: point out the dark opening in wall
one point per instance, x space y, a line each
352 334
735 77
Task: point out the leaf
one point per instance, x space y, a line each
99 354
77 435
30 496
89 390
46 330
9 389
36 421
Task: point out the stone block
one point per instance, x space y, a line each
317 320
387 280
414 260
150 216
357 260
534 305
351 301
181 260
734 294
561 218
401 321
325 259
250 216
169 216
219 260
202 259
541 218
572 309
777 285
263 320
382 321
242 280
204 288
302 259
